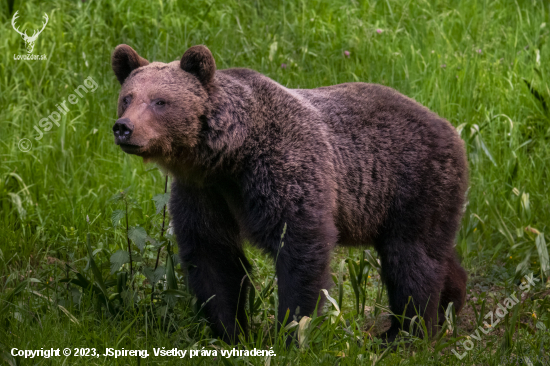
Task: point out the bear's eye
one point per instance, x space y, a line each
160 103
126 100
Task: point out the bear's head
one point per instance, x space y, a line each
162 107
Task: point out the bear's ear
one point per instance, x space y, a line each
125 60
198 60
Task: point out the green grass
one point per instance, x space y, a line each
469 61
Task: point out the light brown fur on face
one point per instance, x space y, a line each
164 105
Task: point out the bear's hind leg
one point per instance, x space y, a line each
455 287
303 268
408 271
301 279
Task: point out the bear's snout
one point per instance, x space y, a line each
123 129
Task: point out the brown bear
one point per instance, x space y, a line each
350 164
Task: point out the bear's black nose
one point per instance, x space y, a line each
123 129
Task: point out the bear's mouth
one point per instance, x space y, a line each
131 149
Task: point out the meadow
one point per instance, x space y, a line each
74 208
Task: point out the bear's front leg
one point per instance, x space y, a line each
301 198
210 245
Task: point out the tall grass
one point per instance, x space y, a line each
480 64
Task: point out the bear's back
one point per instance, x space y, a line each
387 149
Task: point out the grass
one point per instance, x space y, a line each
480 64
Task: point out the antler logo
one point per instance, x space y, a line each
29 41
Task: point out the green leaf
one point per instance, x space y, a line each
485 149
154 275
508 341
156 244
251 299
171 296
20 287
341 282
354 284
291 325
69 315
272 50
118 259
460 127
5 353
161 200
116 197
331 299
170 273
121 281
177 260
302 330
502 228
177 293
121 335
95 269
139 236
116 216
373 262
543 254
132 202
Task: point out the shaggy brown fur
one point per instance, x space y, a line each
350 164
